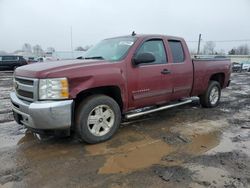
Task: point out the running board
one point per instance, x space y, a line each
137 114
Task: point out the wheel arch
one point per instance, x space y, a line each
112 91
219 77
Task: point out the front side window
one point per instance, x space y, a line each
113 49
156 47
177 51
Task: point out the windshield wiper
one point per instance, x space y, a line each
94 57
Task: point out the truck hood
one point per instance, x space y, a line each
46 69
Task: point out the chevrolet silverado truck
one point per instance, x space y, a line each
119 78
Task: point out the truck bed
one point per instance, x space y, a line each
204 68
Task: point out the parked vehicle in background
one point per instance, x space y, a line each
246 66
11 62
119 78
30 61
46 59
236 67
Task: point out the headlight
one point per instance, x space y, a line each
54 88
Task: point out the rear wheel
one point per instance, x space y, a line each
212 95
97 118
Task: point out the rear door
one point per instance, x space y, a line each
182 69
147 84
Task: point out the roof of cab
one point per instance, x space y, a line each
151 36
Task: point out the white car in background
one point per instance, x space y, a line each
246 66
46 59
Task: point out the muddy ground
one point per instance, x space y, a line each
188 146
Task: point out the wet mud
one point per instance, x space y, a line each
188 146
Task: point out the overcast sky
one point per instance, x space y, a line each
48 22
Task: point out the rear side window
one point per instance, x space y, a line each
156 47
177 51
9 58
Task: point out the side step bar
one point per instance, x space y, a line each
137 114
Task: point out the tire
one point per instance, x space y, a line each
97 118
209 101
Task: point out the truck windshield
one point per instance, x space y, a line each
113 49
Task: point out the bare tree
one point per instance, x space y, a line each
79 48
242 50
37 50
232 51
209 48
27 48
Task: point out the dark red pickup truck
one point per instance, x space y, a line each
122 77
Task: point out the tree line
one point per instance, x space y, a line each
39 51
209 49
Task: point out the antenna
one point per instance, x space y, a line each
133 33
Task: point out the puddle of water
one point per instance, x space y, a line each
146 151
202 143
140 156
138 151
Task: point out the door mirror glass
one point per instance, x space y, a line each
144 58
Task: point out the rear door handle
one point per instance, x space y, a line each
166 71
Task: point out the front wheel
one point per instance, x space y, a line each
212 95
97 118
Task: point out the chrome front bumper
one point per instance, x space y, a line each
42 115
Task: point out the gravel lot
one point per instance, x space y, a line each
188 146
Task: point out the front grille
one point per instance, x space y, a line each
23 81
26 88
26 94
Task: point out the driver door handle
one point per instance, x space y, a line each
165 71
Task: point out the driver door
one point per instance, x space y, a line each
147 81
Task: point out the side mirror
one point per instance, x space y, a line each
144 58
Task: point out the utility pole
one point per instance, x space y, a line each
199 45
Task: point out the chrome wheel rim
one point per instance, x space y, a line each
214 95
100 120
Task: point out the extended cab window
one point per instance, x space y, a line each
177 51
156 47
